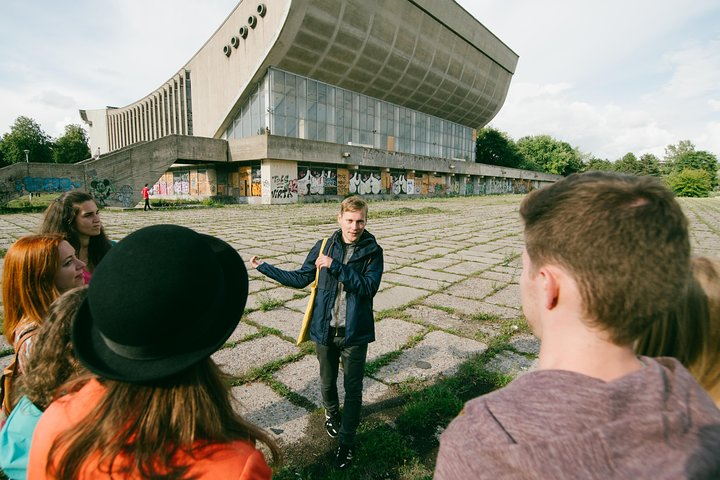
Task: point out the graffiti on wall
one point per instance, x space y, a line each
342 182
160 187
256 182
411 186
317 181
125 196
282 186
399 184
45 184
469 187
181 182
101 190
365 183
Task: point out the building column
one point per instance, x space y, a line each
279 182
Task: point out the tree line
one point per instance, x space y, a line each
26 134
687 171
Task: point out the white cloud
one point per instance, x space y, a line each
695 71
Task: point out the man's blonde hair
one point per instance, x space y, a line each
354 204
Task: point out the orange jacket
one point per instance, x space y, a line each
239 459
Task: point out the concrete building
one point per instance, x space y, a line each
318 98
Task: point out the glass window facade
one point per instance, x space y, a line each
294 106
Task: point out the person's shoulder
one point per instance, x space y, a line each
235 459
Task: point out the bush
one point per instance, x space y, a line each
690 182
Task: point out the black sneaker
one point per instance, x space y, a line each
332 425
344 456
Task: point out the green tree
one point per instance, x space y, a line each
699 160
649 165
628 164
690 182
550 155
26 134
494 147
599 164
673 152
73 146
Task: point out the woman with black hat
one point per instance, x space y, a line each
159 406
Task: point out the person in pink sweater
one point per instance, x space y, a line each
605 256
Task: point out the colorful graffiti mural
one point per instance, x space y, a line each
45 184
181 182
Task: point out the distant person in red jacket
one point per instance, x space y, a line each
146 197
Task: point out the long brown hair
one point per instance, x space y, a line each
53 361
28 285
139 429
60 216
691 332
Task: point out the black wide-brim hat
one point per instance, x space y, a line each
161 300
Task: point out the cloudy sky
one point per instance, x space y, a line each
606 76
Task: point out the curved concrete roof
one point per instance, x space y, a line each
428 55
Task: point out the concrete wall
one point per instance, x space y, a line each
115 179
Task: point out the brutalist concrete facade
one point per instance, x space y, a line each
419 58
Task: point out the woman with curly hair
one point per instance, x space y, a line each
51 365
75 215
37 269
157 405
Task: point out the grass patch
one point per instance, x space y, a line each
269 303
404 212
484 317
399 442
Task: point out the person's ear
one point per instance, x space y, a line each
550 288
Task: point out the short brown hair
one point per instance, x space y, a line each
623 238
354 204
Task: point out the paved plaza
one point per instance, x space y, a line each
450 286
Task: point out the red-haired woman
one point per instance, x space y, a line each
76 216
37 269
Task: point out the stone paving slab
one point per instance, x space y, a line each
433 274
467 268
450 321
441 263
265 408
501 277
247 356
424 283
462 305
525 343
303 378
390 335
438 354
474 287
283 319
241 331
282 294
508 296
509 363
396 296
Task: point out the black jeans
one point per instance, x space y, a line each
353 360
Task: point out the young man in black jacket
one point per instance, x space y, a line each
342 324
